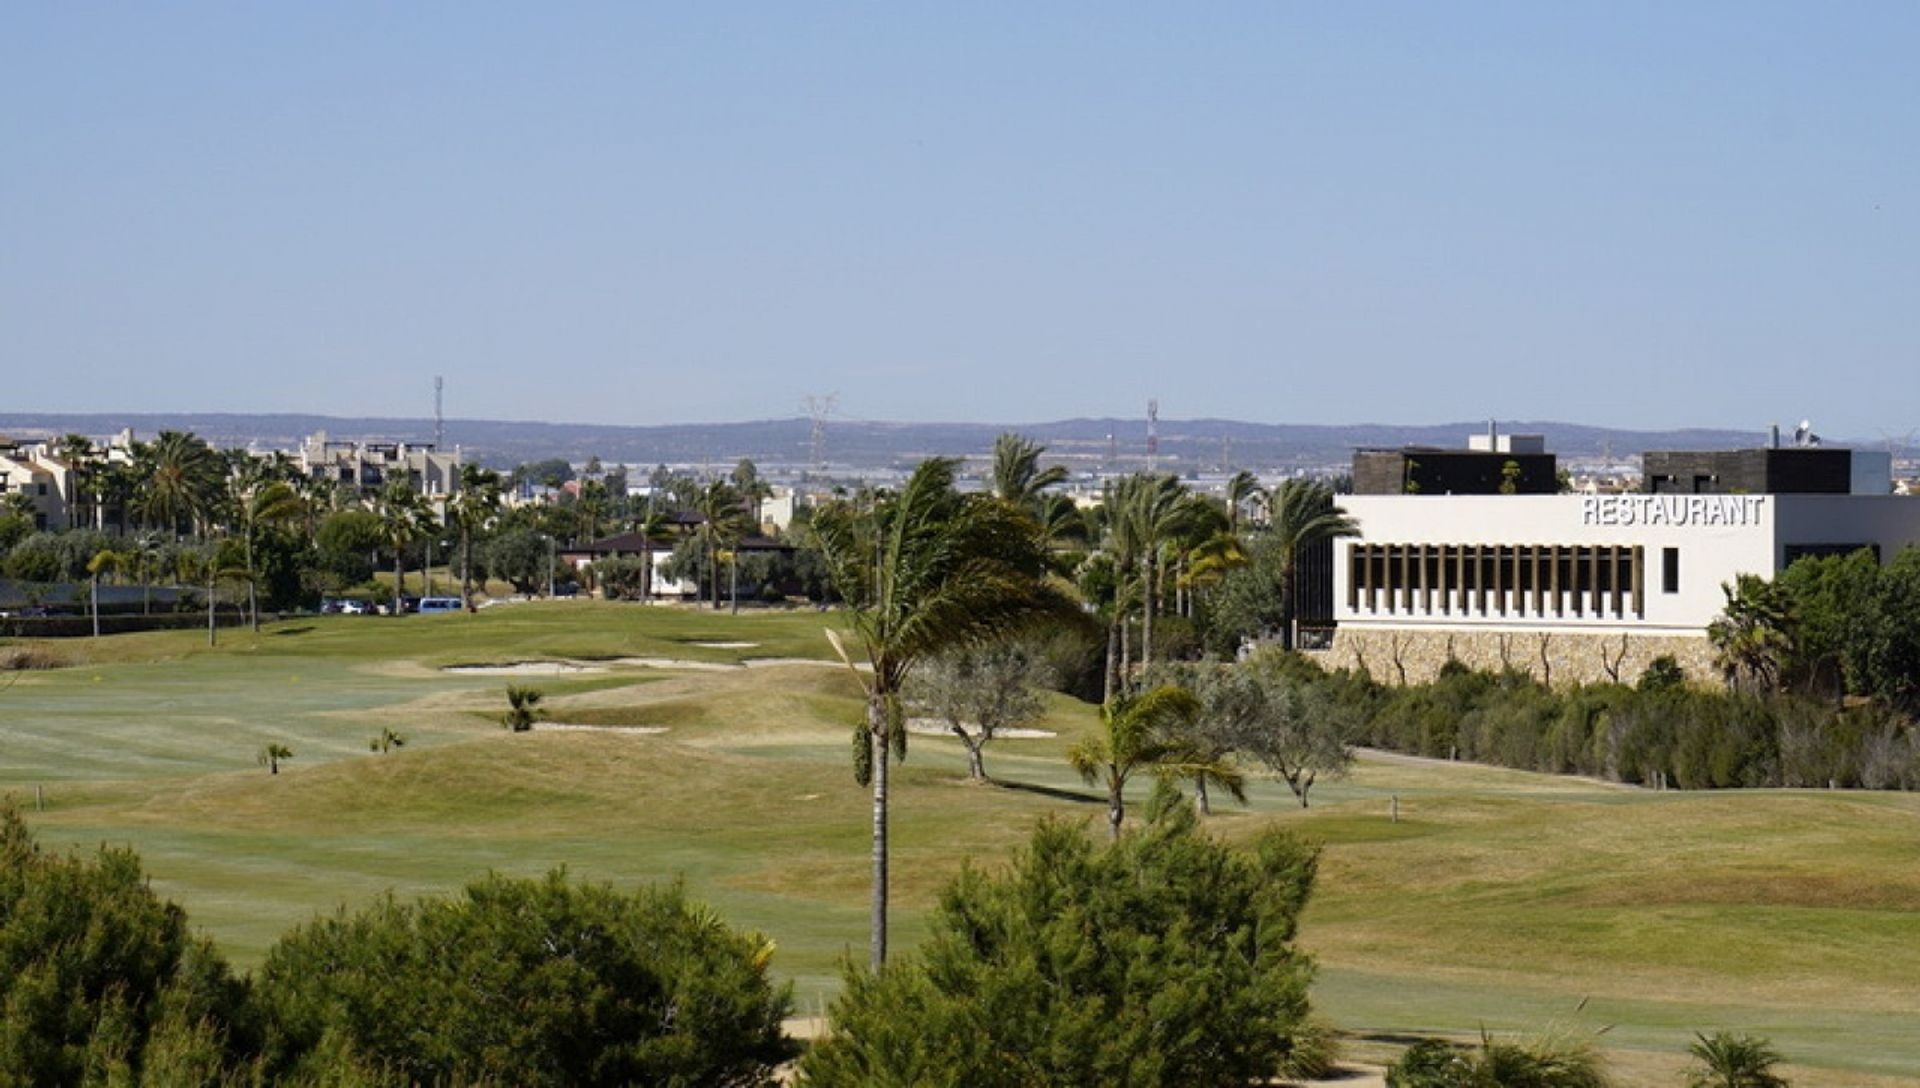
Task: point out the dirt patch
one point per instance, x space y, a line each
724 645
29 659
574 727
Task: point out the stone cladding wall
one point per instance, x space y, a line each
1556 657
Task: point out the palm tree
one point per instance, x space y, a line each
472 506
209 566
723 521
523 708
1753 639
1017 475
146 553
271 756
1734 1061
1242 488
1143 732
179 479
1062 523
1300 514
405 518
1149 512
652 524
263 504
754 490
77 451
105 560
1213 558
591 507
923 571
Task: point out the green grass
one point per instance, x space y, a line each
1499 900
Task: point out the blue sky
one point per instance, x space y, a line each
1646 215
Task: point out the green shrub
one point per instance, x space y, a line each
1164 959
525 982
1551 1062
1727 1060
100 982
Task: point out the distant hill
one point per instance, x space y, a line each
1190 444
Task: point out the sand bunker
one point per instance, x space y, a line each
569 727
934 727
523 668
672 663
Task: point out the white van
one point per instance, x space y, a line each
440 604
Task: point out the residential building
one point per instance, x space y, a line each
367 466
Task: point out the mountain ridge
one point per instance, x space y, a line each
1190 444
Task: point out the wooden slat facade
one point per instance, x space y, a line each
1525 580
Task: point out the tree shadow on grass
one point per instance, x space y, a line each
282 632
1054 792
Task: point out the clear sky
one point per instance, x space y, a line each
1631 214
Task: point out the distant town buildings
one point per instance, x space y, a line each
367 466
41 480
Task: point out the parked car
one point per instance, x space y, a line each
355 608
439 604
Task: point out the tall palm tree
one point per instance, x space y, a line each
753 489
264 504
104 561
922 571
1150 512
591 507
78 453
208 566
1300 514
1242 489
180 480
1017 475
652 524
1143 733
146 551
472 506
1213 558
723 522
405 519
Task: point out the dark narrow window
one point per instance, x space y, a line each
1670 570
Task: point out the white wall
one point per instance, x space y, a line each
1718 537
1891 521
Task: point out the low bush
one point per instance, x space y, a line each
1164 959
100 981
527 982
1551 1062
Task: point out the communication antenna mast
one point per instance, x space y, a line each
819 407
439 418
1153 433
